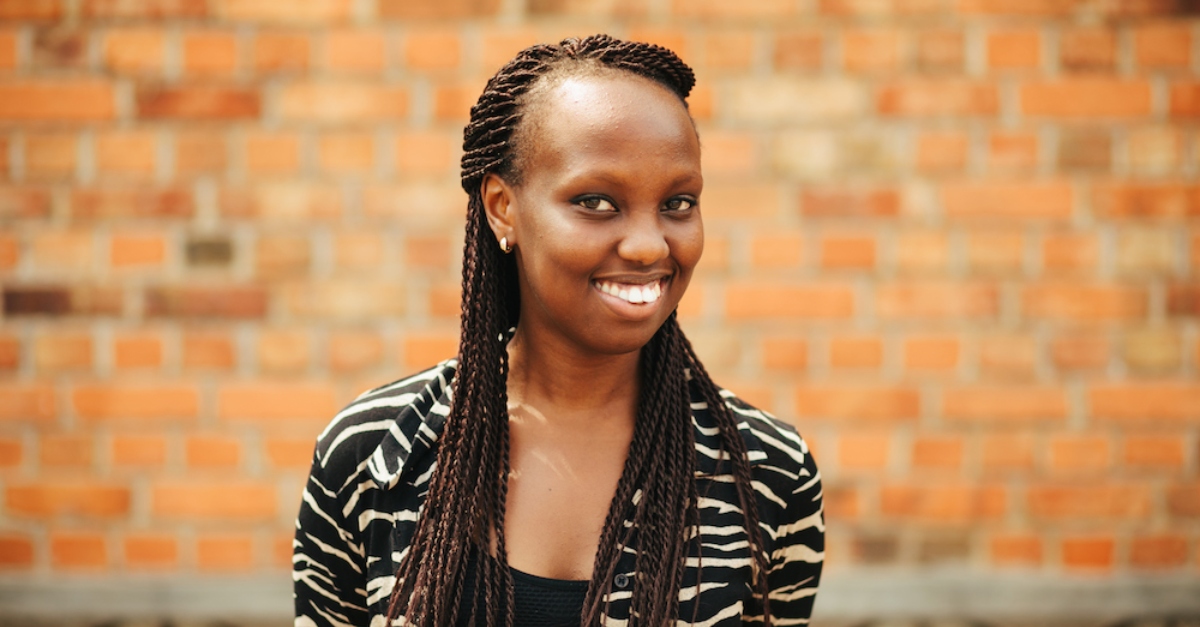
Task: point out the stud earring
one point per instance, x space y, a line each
504 245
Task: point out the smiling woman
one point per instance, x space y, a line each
575 464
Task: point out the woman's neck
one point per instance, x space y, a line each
564 385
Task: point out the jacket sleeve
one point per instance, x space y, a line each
799 550
328 563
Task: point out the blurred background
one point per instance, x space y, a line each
956 242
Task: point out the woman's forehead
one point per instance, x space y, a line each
611 113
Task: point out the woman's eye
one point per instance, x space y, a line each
680 204
596 203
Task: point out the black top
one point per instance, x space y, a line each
539 601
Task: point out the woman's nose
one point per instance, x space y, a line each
644 242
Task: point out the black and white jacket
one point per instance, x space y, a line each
371 472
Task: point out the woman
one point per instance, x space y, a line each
575 464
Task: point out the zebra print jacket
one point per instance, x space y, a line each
371 472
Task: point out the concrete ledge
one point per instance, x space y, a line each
844 596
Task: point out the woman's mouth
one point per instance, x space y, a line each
633 293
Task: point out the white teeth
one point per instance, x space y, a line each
634 294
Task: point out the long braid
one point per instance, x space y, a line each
655 506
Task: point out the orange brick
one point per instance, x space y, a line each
716 10
1070 253
1088 553
729 153
354 351
1006 404
359 251
225 552
276 401
208 351
26 402
1008 453
355 51
10 251
1166 45
134 50
836 202
931 353
1166 401
127 401
285 452
777 249
937 98
783 301
143 9
62 351
1015 550
150 551
126 153
673 37
864 451
799 50
10 352
729 50
941 453
1183 501
66 451
1185 100
922 252
313 12
63 100
282 256
1087 49
130 202
63 499
16 552
197 102
426 154
1086 97
1083 303
996 252
1158 551
423 350
940 51
283 351
452 101
8 49
1014 50
445 300
80 550
1110 501
224 501
943 504
935 300
74 250
272 153
210 53
138 350
855 352
280 52
785 353
50 156
1163 452
1012 151
136 250
848 252
1007 357
347 153
872 51
853 403
433 49
11 452
139 450
1006 201
212 451
1080 454
344 102
199 152
1079 352
1147 200
941 152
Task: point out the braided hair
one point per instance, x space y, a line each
463 517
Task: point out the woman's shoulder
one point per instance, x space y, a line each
402 412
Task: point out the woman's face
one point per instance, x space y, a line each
605 222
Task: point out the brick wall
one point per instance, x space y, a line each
956 241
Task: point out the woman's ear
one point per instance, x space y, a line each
498 199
